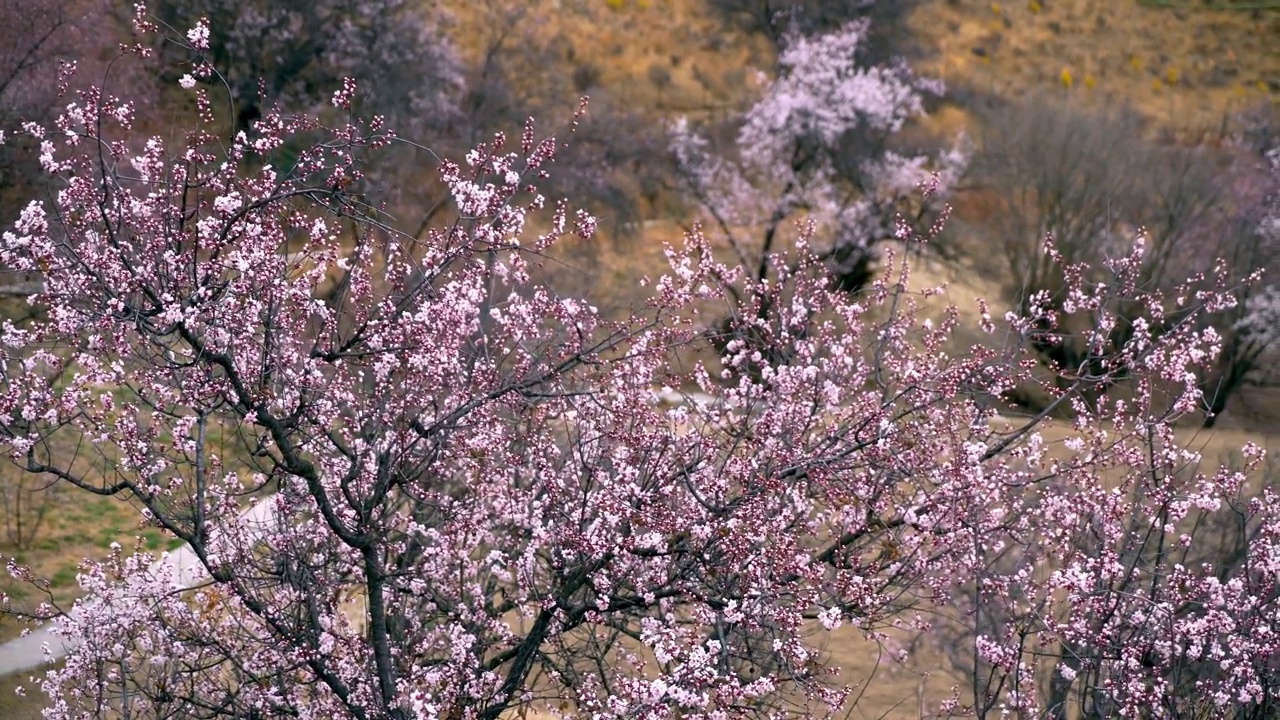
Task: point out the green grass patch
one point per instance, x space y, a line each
65 576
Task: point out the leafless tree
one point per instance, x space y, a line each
1091 180
35 39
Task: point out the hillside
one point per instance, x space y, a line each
1184 68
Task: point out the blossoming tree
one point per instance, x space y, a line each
815 143
295 54
476 505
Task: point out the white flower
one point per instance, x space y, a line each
830 618
228 204
187 82
199 35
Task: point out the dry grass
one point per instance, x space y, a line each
657 56
20 707
1183 68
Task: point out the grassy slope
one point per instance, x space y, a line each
1183 68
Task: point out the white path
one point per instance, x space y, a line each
27 652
